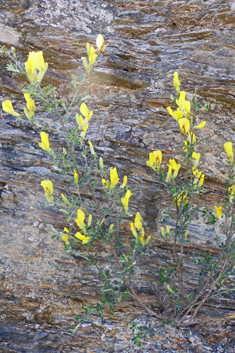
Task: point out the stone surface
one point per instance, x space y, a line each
42 288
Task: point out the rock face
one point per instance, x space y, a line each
42 288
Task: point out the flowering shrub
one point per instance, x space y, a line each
97 220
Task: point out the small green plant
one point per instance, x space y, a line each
94 210
96 218
141 333
185 190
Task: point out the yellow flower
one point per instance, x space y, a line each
113 177
138 221
163 233
89 220
8 108
218 211
83 123
177 114
134 232
80 219
196 156
186 143
199 177
111 228
202 124
169 173
155 160
91 55
85 63
185 106
176 82
191 138
184 125
197 173
181 99
29 111
101 163
138 224
75 176
125 200
100 43
65 200
65 238
91 148
144 242
201 180
35 66
84 239
170 289
48 188
175 167
45 145
85 111
170 111
124 181
105 182
91 58
228 146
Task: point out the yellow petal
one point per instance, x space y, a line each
113 177
80 216
84 110
8 108
228 146
65 200
138 221
181 100
202 124
201 180
170 111
47 186
218 211
196 156
184 125
89 220
174 165
125 200
124 181
101 163
176 82
134 232
100 41
169 173
84 239
91 148
45 145
177 114
65 238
